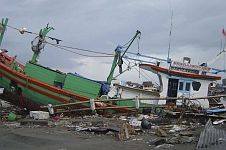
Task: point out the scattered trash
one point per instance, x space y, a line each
39 115
135 122
145 124
186 139
180 140
174 140
215 110
11 116
166 132
12 124
125 132
164 146
219 121
32 122
50 109
4 104
177 128
186 133
123 118
160 132
157 141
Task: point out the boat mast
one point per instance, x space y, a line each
118 51
118 58
39 46
3 25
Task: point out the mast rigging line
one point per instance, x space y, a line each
80 49
85 55
22 31
142 73
141 55
68 48
127 57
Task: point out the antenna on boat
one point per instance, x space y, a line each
170 34
3 26
39 43
223 49
221 53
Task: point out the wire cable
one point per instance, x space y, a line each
142 73
85 55
79 49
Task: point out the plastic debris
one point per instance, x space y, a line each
11 116
160 132
135 122
145 124
164 146
39 115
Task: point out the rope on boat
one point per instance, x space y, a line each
80 49
63 47
85 55
24 30
68 48
141 72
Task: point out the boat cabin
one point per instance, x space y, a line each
182 79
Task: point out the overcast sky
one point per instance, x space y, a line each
103 24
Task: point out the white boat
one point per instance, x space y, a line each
182 79
133 90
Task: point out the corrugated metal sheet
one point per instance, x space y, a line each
212 138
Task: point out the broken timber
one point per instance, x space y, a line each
96 104
151 98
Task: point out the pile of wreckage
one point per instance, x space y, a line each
160 128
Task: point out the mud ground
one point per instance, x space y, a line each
45 138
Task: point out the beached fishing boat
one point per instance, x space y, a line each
183 79
32 84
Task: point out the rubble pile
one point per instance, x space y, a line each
157 130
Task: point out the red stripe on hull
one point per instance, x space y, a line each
62 100
41 84
150 67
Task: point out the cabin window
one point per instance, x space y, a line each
187 87
196 85
181 86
